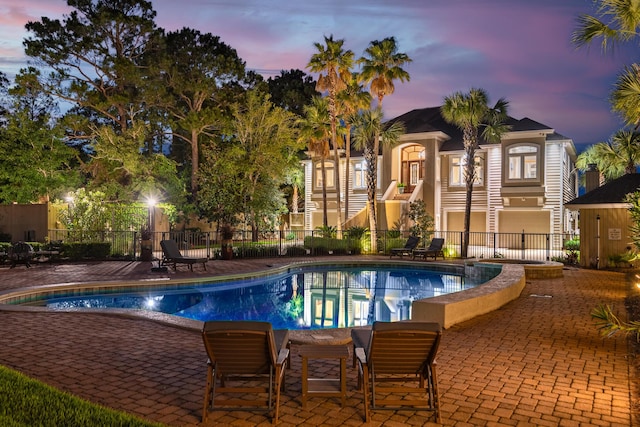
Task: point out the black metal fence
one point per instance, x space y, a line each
127 244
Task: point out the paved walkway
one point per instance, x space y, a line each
537 361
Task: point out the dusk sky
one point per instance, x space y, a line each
516 49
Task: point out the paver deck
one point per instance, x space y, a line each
537 361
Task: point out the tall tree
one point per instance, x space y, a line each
369 132
625 97
334 65
292 90
263 146
37 164
4 99
618 156
295 178
123 171
315 130
471 112
615 22
99 54
381 66
351 100
201 73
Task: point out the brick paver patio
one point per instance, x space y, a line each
537 361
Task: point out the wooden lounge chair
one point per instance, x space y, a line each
408 248
172 256
243 353
434 250
401 354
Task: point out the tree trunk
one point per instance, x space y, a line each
336 155
371 198
469 177
194 162
347 175
325 220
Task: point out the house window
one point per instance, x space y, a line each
458 164
359 171
523 162
328 166
412 166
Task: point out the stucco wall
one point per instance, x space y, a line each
24 222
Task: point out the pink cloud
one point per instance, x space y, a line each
518 49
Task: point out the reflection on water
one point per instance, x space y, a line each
308 298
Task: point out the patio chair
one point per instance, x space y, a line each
434 250
244 353
408 248
21 253
401 354
172 256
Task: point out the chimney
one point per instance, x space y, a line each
592 177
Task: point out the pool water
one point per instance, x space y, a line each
303 298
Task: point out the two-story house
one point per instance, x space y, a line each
522 182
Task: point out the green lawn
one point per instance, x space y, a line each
25 402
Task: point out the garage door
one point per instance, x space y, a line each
511 225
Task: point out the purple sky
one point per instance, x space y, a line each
516 49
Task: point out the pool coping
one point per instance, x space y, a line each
447 307
457 307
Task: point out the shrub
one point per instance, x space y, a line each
327 231
90 250
572 245
391 242
296 251
325 245
257 251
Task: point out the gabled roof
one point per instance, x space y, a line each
612 192
430 120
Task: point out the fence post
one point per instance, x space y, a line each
548 247
207 239
495 235
135 245
523 246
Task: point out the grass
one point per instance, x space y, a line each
27 402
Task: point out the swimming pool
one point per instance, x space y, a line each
302 297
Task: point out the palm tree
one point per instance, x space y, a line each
369 132
296 180
618 156
625 98
334 65
315 130
470 112
616 22
623 20
380 67
351 100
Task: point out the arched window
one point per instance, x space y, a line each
412 168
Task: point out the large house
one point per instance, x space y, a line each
522 182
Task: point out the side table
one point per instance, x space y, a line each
325 387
